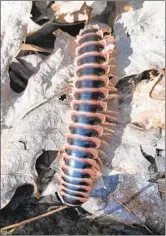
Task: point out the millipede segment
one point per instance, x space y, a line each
81 165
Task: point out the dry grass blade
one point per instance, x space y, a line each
32 219
127 209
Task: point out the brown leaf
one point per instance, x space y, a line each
30 47
69 11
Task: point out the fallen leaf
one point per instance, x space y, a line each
67 12
32 26
36 119
12 39
147 112
133 29
30 47
73 11
130 200
130 133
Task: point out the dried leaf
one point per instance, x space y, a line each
129 200
30 47
133 29
36 119
22 68
32 219
43 11
124 143
147 113
73 11
31 61
32 26
12 39
44 37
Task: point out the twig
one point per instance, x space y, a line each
127 209
32 219
158 79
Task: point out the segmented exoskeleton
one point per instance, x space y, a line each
81 165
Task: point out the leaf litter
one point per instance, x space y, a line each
34 120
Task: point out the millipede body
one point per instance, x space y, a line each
81 165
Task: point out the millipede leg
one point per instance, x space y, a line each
111 84
108 123
113 112
104 142
111 60
113 66
110 130
112 88
112 51
103 153
111 118
98 167
112 96
106 134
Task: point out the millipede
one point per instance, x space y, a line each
81 163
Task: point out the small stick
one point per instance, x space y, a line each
127 209
32 219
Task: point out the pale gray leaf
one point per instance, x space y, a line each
140 36
37 118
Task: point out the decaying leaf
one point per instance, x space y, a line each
140 36
29 47
32 26
22 68
123 153
65 12
147 112
35 121
36 118
73 11
128 199
45 35
39 44
12 39
42 11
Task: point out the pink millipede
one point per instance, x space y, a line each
81 165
